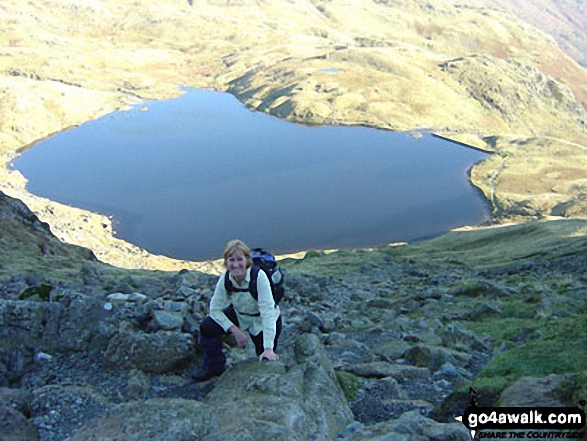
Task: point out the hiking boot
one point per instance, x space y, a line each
204 374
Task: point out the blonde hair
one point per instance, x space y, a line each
238 245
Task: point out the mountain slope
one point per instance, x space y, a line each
565 20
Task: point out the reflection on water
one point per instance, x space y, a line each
186 175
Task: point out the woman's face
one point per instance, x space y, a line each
236 264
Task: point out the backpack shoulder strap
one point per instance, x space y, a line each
253 282
228 283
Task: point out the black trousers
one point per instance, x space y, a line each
211 339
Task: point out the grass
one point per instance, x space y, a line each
27 251
552 346
334 264
559 347
479 249
497 246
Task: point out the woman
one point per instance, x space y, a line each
237 312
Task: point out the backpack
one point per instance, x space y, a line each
262 260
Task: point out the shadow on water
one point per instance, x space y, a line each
183 176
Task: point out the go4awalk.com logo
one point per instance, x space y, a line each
523 422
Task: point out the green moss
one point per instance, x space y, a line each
42 291
350 384
335 264
494 247
488 389
491 385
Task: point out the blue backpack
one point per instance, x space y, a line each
262 260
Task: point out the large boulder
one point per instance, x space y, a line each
159 352
297 399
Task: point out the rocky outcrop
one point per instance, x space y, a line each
521 94
297 398
32 329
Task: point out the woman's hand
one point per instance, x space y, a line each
268 354
241 338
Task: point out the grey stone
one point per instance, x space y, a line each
392 350
381 369
434 357
411 426
551 391
159 352
160 419
137 385
14 426
167 320
279 400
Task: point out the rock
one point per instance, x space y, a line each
185 292
286 400
314 320
118 298
74 322
434 357
392 350
167 320
551 391
159 352
346 351
481 311
137 385
411 426
448 372
455 335
381 369
160 419
296 398
53 404
15 427
18 399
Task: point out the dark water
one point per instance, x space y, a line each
185 176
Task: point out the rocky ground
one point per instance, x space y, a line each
376 343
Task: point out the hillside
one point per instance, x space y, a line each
377 343
473 71
564 20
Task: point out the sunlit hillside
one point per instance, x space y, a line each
478 71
